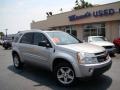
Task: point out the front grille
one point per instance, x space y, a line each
108 47
102 56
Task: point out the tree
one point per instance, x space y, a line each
81 4
77 6
1 34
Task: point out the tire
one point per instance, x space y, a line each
5 48
16 61
64 74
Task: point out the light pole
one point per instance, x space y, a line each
6 31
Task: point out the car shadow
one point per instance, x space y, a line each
45 78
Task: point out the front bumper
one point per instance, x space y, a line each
88 70
98 71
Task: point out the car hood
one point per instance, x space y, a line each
84 47
102 43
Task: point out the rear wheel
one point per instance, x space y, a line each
64 74
5 48
16 61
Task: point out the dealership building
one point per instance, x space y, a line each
102 20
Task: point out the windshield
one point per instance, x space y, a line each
98 39
62 38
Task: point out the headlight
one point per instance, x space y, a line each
86 58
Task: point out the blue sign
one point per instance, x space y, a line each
99 13
74 17
105 12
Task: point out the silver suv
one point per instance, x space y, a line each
67 57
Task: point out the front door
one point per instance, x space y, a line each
41 54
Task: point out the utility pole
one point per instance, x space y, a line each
6 31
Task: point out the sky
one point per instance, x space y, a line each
16 15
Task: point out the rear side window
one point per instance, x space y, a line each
16 37
27 38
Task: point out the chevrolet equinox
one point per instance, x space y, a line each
66 56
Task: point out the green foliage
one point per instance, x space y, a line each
79 4
1 34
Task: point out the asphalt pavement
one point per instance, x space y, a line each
35 78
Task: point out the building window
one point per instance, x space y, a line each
71 30
93 30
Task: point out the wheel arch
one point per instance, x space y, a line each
15 52
74 65
60 60
63 60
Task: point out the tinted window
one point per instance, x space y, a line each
27 38
38 37
16 37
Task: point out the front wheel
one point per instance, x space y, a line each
65 74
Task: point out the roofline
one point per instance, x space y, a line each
76 10
85 8
39 30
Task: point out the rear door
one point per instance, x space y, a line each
26 47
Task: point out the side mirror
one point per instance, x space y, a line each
44 44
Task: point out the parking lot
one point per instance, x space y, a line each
33 78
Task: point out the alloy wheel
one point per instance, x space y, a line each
65 75
16 61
